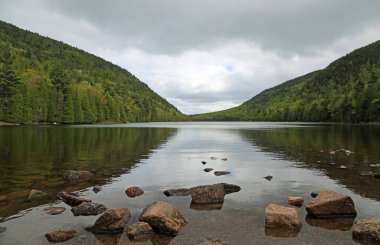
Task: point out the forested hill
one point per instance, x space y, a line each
348 90
43 80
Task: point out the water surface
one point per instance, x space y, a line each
159 156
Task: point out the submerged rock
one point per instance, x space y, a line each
207 194
203 162
139 231
134 191
60 235
112 221
72 199
219 173
75 176
88 208
315 193
3 229
36 195
269 177
163 217
54 210
212 241
329 205
208 169
96 189
224 159
177 192
213 158
367 229
282 218
295 200
342 224
202 207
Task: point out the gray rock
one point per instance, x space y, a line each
230 188
88 208
219 173
269 177
208 169
177 192
96 189
367 229
54 210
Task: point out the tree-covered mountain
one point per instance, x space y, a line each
43 80
347 90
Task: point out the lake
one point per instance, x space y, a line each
160 156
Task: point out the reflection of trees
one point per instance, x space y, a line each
36 157
310 148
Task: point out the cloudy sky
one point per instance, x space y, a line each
206 55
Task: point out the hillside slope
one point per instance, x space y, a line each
348 90
43 80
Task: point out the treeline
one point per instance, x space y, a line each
43 80
348 90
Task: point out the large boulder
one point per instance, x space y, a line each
330 205
134 191
283 218
88 208
163 217
139 231
72 199
111 221
177 192
54 210
367 229
60 235
75 176
36 195
207 194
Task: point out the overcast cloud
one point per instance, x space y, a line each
206 55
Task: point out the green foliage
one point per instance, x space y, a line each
348 90
43 80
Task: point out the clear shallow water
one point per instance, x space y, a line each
159 156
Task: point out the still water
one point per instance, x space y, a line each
160 156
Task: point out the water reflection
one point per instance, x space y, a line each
323 148
37 157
